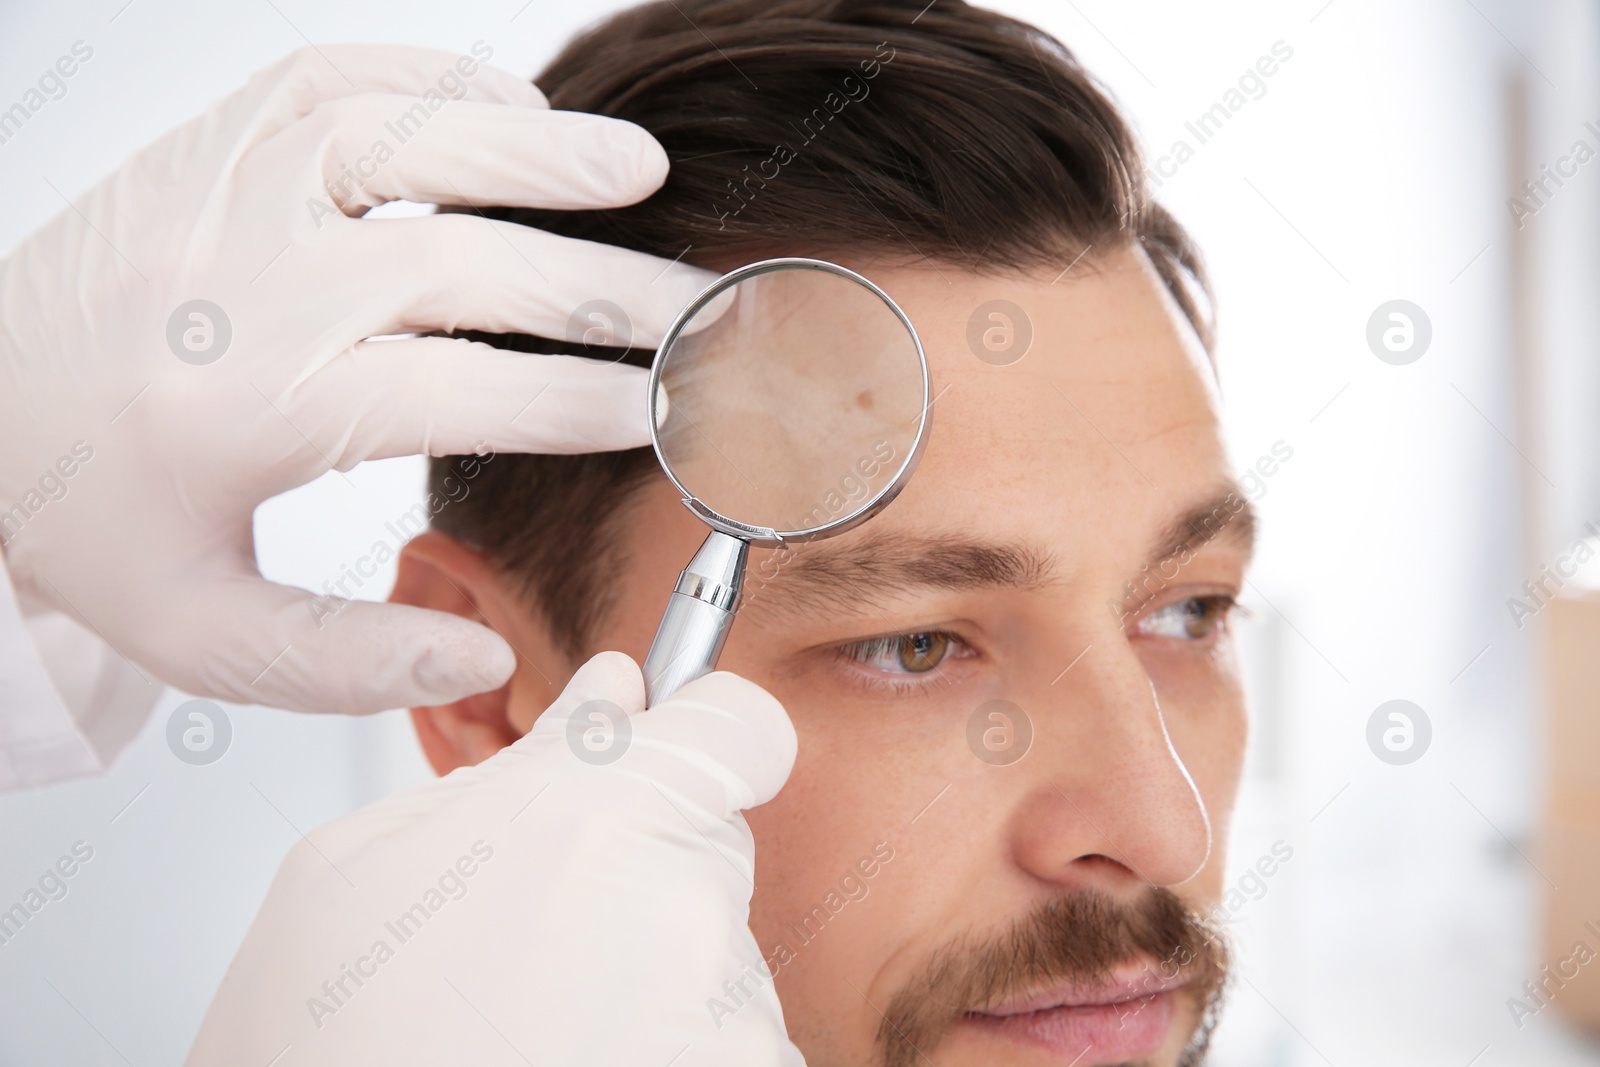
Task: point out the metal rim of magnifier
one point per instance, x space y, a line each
764 536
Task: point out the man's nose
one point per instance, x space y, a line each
1105 782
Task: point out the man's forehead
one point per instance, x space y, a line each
1097 356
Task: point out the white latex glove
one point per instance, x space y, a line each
562 912
162 460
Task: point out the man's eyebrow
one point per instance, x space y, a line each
845 574
1227 516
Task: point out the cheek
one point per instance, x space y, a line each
842 798
860 776
808 839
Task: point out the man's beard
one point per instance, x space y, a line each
1081 939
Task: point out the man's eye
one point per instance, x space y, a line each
914 653
1193 619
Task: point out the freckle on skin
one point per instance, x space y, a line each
864 400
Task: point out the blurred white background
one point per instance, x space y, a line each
1374 167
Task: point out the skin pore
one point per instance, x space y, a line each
1001 573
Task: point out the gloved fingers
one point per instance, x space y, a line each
611 677
377 147
466 271
282 647
610 682
442 396
293 86
727 726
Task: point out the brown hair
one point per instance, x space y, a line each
794 127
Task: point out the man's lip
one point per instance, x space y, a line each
1141 984
1085 1035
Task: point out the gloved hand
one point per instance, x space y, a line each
539 908
139 430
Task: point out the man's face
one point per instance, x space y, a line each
931 876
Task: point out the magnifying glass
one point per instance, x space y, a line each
796 406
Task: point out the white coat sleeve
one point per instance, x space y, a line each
68 703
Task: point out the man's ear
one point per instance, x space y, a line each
440 573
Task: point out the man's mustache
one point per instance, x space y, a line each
1084 939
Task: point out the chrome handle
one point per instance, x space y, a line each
698 617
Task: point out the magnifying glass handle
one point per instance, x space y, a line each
698 616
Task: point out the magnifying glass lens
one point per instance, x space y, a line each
794 397
797 406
